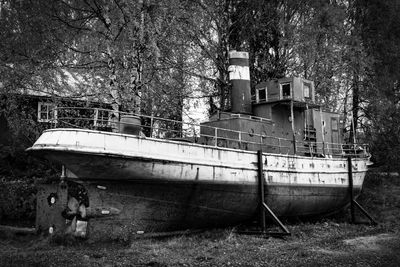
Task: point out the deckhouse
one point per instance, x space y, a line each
282 116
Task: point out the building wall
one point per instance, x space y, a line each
262 110
297 89
20 128
276 135
322 122
252 133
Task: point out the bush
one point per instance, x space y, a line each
18 202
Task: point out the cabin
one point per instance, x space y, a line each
23 117
281 117
39 110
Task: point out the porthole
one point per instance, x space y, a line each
251 132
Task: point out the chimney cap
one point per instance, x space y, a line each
238 54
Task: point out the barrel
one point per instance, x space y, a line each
130 124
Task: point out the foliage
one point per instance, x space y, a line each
18 202
381 38
152 56
22 131
317 243
29 47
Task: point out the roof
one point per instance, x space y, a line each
62 83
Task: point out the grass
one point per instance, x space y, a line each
327 242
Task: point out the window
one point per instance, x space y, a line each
334 124
306 90
46 112
101 118
335 130
286 88
261 95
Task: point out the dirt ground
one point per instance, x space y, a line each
327 242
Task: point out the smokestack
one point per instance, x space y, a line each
239 75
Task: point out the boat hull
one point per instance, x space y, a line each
121 209
136 191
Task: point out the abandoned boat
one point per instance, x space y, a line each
125 174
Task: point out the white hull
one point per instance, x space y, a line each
148 158
163 185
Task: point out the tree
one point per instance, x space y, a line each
28 47
380 33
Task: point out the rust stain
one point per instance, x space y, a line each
213 172
181 171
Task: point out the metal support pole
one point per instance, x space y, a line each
293 129
350 170
322 130
263 206
365 213
353 202
151 124
260 175
216 136
276 219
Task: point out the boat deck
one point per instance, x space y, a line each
106 120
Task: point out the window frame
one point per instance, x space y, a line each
49 107
335 130
334 124
290 90
265 89
100 119
308 85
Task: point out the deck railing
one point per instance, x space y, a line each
164 128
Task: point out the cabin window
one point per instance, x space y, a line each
306 90
286 88
335 130
46 112
101 118
261 94
334 124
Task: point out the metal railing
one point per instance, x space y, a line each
278 97
223 114
164 128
